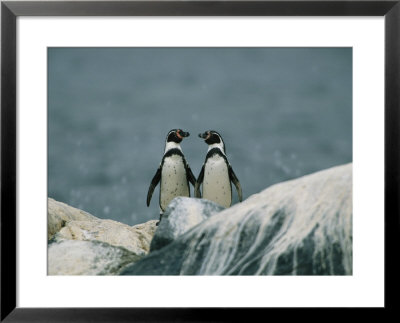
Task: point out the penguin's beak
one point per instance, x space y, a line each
181 134
205 135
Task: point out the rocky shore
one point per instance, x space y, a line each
298 227
87 245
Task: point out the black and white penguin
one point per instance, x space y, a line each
174 172
216 174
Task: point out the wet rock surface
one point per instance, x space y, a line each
75 257
299 227
181 215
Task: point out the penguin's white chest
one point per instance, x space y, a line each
216 183
173 180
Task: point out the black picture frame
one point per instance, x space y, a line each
10 10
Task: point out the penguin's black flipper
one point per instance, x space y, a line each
153 184
189 174
236 182
198 183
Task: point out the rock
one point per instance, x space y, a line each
82 244
72 257
299 227
135 239
58 214
182 214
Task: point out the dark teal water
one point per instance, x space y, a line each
283 113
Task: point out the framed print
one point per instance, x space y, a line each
305 97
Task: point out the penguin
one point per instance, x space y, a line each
217 174
174 173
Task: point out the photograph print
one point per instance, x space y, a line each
200 161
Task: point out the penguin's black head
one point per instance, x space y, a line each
212 137
176 135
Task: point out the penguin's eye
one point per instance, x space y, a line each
178 134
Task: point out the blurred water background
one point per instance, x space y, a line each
282 112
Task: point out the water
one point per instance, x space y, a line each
282 112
